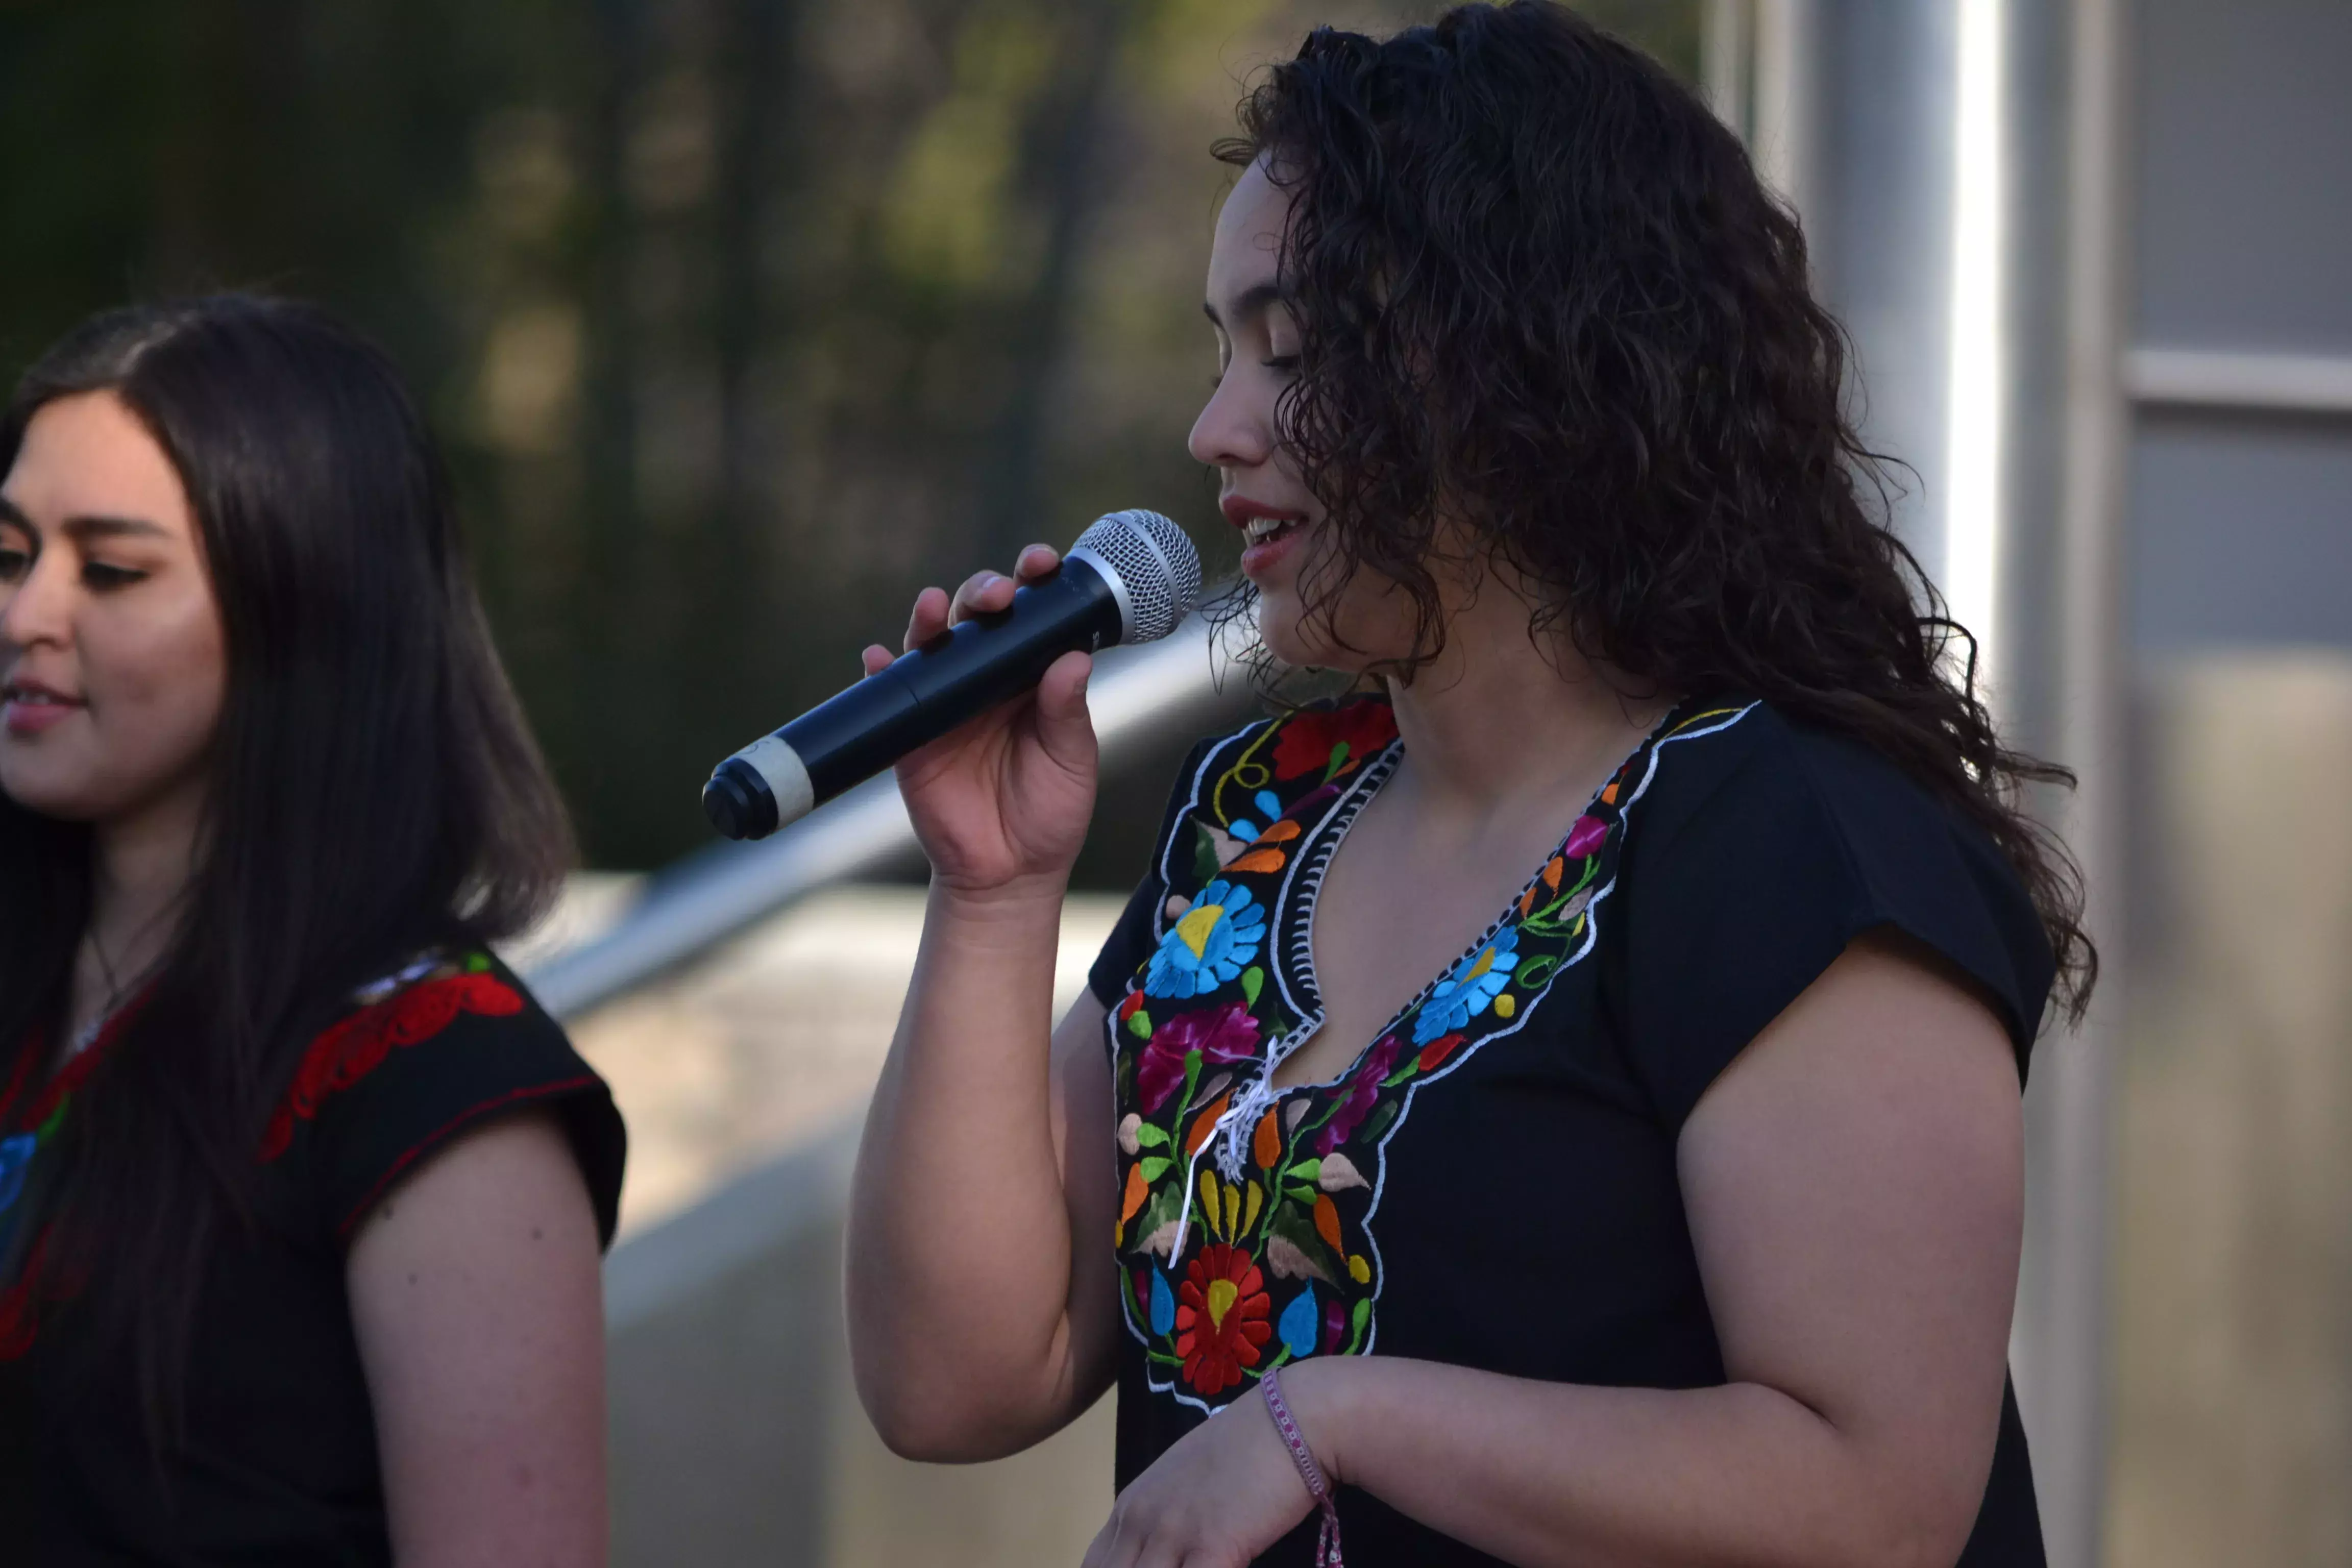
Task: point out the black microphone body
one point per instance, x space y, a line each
1087 605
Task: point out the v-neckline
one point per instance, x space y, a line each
1293 927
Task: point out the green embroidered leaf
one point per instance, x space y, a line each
1253 982
1150 1137
1363 1320
1138 1023
1412 1066
1304 1194
1305 1170
1338 761
1377 1121
1300 1248
1164 1359
1155 1167
1204 854
1155 1228
479 964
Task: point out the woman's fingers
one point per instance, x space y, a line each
1037 560
1064 726
929 618
875 658
982 594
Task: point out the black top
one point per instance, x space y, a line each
280 1464
1523 1214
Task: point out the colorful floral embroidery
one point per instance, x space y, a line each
1210 944
36 1282
414 1003
1245 1211
402 1009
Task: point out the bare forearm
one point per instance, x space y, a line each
1541 1474
959 1247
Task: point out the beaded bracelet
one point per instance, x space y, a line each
1327 1539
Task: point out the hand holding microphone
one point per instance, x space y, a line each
985 713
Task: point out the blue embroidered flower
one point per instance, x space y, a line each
1210 945
1465 993
16 1155
1299 1323
1164 1305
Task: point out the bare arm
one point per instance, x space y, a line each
981 1302
477 1298
1855 1191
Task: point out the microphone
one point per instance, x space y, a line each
1130 578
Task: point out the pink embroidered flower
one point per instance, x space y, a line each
1585 836
1222 1034
1361 1094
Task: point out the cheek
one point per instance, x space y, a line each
156 680
166 681
1368 621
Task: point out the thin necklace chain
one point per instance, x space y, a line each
117 993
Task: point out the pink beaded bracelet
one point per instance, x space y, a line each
1327 1539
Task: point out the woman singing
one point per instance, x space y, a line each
1563 1100
301 1198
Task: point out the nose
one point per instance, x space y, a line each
39 608
1235 427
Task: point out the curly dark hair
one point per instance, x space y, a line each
1541 293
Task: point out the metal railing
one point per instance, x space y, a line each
716 894
2233 380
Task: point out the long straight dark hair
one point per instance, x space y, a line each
372 789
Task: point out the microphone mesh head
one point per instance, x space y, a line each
1156 564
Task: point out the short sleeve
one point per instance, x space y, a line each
387 1087
1764 850
1138 931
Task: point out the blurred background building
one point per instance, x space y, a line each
742 319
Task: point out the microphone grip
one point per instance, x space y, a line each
920 696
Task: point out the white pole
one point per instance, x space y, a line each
2062 1336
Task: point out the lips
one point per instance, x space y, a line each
30 708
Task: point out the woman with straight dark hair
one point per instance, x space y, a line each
1559 1104
301 1197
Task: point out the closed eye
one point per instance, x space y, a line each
100 577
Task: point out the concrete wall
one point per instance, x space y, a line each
2232 1438
736 1436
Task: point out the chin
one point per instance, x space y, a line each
1282 631
62 793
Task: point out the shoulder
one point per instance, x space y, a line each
1745 773
443 1041
1759 846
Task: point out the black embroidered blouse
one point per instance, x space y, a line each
1492 1183
280 1462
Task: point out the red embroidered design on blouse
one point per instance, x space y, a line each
356 1046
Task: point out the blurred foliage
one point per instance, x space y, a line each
741 319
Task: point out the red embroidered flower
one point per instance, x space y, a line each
350 1050
1221 1317
1311 742
1223 1036
1434 1054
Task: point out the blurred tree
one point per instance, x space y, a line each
742 317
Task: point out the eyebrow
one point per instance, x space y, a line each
1252 302
86 527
